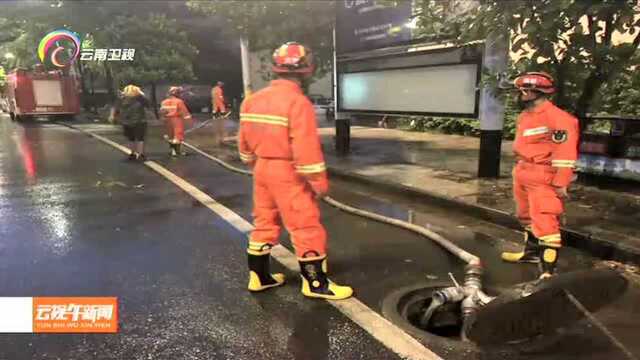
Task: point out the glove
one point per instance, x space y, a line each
319 184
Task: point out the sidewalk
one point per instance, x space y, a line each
443 168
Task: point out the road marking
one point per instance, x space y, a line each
380 328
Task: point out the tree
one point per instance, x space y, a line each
162 52
576 41
622 96
269 24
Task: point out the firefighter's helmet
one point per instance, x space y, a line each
175 91
537 81
293 58
132 90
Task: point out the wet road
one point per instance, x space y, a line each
77 220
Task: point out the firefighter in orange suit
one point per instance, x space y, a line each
278 138
217 99
546 147
219 109
175 112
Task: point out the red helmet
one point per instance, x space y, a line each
175 90
538 81
292 58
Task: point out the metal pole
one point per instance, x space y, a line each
492 107
335 77
342 124
246 68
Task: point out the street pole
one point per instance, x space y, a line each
334 78
342 123
246 68
492 107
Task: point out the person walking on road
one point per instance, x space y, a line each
175 113
546 147
278 139
219 110
129 110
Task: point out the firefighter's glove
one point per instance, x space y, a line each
319 185
562 192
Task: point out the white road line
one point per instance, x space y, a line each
380 328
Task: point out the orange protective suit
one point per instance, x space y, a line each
175 112
217 97
546 146
278 135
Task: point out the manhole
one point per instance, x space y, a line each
445 321
517 320
404 307
540 308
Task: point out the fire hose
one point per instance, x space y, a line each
470 294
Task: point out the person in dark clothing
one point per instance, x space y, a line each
130 112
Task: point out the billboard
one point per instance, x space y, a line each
447 89
439 81
363 25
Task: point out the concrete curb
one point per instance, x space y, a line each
596 246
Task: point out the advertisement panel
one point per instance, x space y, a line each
366 25
412 90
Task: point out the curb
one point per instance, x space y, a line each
596 246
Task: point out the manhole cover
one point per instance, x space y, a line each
539 308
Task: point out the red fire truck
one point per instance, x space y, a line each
31 94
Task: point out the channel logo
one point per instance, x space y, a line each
59 48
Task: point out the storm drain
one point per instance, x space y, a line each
406 306
445 321
526 315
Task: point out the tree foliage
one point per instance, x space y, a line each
268 24
163 52
3 79
584 44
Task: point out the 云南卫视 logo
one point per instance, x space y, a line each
59 48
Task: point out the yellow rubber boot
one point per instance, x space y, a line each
530 253
549 257
260 277
316 284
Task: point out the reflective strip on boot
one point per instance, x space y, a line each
553 240
259 248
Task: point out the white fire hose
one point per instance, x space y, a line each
470 294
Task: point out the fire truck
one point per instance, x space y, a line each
39 93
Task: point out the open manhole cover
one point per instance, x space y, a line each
539 308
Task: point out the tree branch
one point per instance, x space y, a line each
608 31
